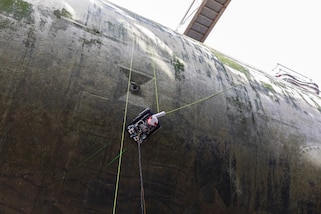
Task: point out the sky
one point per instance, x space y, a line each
260 33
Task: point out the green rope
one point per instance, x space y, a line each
91 156
155 80
203 99
123 132
115 158
66 173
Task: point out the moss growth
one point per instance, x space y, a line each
280 84
63 13
233 64
57 13
95 31
92 41
18 8
5 23
267 86
179 68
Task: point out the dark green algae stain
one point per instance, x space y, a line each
268 87
63 13
233 64
18 8
179 68
5 23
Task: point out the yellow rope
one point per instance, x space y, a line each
157 104
203 99
155 80
123 132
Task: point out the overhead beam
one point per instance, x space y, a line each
205 19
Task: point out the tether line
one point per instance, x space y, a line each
142 197
155 81
123 132
203 99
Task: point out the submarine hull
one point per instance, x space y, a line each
234 139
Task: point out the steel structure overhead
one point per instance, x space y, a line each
205 18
